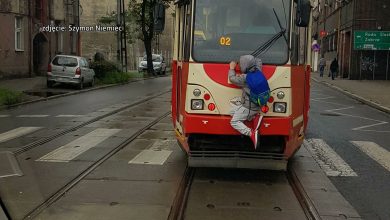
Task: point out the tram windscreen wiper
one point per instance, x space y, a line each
266 45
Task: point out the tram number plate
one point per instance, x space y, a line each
225 41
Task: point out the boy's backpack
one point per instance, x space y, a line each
259 88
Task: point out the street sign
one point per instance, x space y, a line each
315 47
371 40
323 33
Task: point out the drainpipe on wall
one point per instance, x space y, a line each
338 42
78 33
357 65
29 39
46 15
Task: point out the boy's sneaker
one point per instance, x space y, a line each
254 137
257 122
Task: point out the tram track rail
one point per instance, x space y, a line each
59 134
303 199
180 201
59 193
178 208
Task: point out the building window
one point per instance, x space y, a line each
18 33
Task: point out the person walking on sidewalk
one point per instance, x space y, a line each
322 64
334 66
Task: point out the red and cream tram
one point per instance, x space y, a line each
211 33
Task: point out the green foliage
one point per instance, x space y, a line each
139 18
114 78
108 19
103 67
139 22
8 97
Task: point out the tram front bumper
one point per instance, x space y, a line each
248 160
220 125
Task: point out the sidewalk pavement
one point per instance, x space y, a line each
24 84
375 93
38 85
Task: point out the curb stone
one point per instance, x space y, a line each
355 96
325 201
3 107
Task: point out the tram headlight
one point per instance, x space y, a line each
196 92
280 95
196 104
280 107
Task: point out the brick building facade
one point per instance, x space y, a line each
334 24
25 50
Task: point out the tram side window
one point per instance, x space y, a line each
299 42
294 39
187 30
181 33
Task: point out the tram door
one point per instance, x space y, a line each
183 45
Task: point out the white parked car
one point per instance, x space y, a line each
159 64
70 70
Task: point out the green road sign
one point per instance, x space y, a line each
371 40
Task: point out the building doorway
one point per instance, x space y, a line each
40 54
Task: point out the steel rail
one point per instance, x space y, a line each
48 139
57 195
180 202
303 199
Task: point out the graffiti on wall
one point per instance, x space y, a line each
367 64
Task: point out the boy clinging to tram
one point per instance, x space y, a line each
255 93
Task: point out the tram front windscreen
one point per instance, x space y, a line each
226 29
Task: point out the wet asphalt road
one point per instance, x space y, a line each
50 166
340 122
55 115
335 119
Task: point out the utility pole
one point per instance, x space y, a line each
78 50
121 36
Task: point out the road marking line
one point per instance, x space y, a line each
32 116
151 157
322 98
157 154
361 128
17 132
68 116
75 148
329 161
332 103
356 116
339 109
4 116
372 125
376 152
